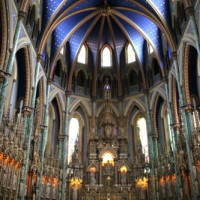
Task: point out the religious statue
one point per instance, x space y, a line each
92 178
108 131
14 181
123 178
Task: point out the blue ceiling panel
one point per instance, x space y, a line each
149 28
120 39
87 4
136 39
162 6
49 7
92 40
62 31
131 4
76 40
67 5
106 37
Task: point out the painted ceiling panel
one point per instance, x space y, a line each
136 39
67 5
149 28
62 30
49 7
120 38
106 37
163 7
92 40
130 4
77 39
87 4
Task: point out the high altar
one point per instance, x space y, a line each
107 174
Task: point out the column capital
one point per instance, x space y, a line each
27 110
174 55
39 57
62 136
94 98
189 11
21 15
120 98
68 93
42 127
3 75
175 126
188 108
49 81
146 91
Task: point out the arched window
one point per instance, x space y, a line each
150 49
106 55
82 55
62 51
130 54
142 132
73 137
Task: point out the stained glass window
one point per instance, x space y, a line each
73 136
82 55
142 130
62 51
150 49
130 54
106 57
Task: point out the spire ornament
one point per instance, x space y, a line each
106 9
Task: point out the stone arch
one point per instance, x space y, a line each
156 93
190 71
82 68
52 95
108 148
132 129
81 77
54 124
91 165
130 105
114 108
83 103
80 112
106 73
123 164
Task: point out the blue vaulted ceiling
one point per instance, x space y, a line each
128 21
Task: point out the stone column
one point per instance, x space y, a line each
44 140
64 148
30 126
116 172
173 141
100 172
151 145
185 125
4 85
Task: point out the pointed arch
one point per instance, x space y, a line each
130 54
83 54
106 56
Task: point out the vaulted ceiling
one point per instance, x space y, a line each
112 22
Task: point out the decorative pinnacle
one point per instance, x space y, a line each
106 9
